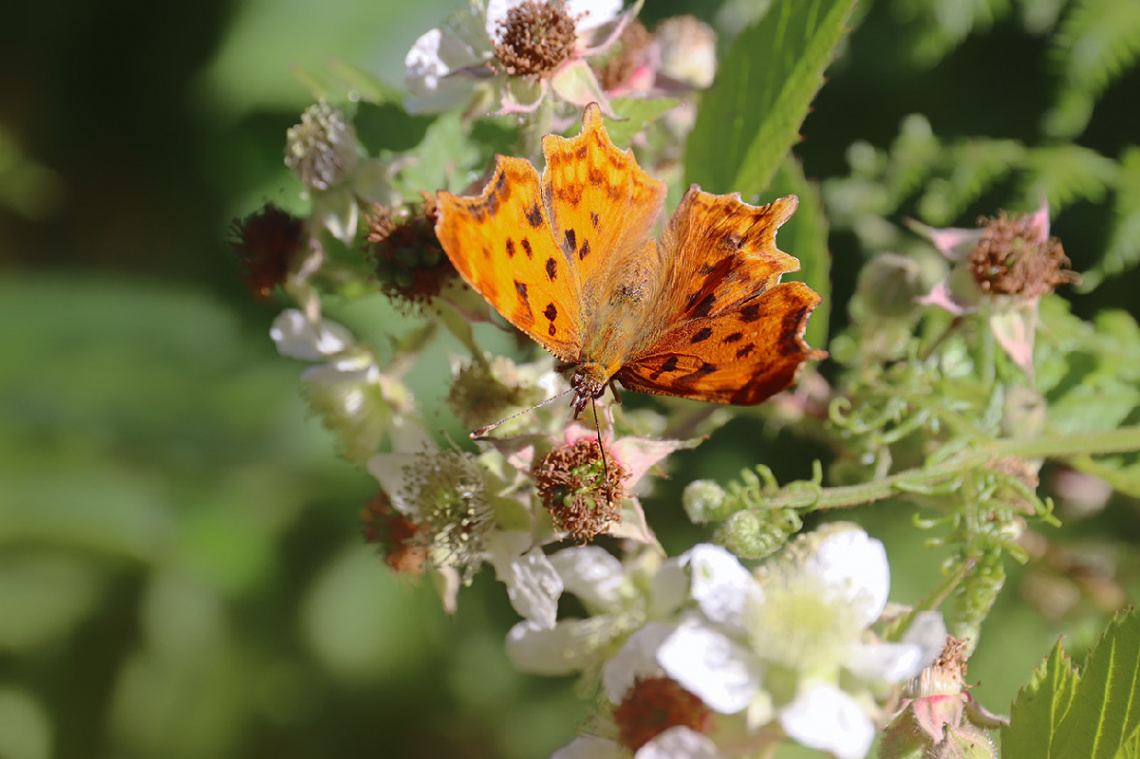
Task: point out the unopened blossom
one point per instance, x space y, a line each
508 55
938 716
1011 261
324 153
792 644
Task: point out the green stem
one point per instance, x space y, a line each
944 473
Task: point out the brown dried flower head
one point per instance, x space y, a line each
399 538
652 706
535 38
581 491
1015 257
410 263
266 244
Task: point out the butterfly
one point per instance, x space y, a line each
569 259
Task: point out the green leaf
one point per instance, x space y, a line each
1062 714
751 116
1098 41
1040 707
1124 244
636 114
1106 710
805 237
1068 173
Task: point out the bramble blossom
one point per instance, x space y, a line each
515 53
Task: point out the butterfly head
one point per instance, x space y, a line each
588 382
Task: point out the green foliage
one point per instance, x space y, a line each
752 114
1098 41
1064 712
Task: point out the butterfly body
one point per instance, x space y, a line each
568 258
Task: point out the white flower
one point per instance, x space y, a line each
445 66
620 598
297 337
675 743
775 647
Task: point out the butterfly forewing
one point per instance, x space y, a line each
740 356
503 245
602 206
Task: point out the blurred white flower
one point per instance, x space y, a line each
775 647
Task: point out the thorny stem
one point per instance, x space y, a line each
948 473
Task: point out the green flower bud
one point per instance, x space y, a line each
757 534
704 502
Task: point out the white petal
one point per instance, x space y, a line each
427 68
569 647
636 659
670 587
678 742
592 574
854 567
927 631
389 469
533 585
592 13
496 12
589 747
721 586
824 717
885 662
708 664
297 337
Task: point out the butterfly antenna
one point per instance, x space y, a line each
601 447
481 433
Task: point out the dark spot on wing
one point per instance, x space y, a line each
510 248
534 216
745 351
584 250
524 313
595 176
750 313
788 330
707 269
704 333
670 365
570 193
526 248
486 252
734 337
581 151
550 312
502 188
705 305
571 241
594 219
551 269
732 241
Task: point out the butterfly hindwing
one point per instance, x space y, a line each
740 356
721 252
503 245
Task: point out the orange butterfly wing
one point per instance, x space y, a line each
503 244
727 330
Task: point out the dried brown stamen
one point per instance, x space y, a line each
580 489
535 38
652 706
410 262
1015 258
266 244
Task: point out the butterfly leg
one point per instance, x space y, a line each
614 389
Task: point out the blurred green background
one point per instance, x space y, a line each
180 568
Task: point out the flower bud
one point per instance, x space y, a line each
755 534
704 501
322 149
